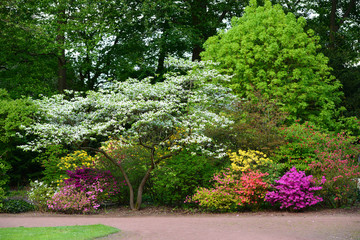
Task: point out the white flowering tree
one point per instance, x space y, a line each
140 112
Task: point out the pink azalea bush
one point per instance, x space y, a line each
295 190
230 193
70 200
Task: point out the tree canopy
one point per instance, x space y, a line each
171 115
269 51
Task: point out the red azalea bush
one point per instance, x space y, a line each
295 190
305 141
230 193
342 172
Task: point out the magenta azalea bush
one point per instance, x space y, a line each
295 190
82 178
70 200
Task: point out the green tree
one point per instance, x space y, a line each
268 51
337 22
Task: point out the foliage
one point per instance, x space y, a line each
3 182
269 51
144 114
295 190
84 177
341 171
73 161
256 124
13 115
16 206
70 200
40 193
179 177
337 23
50 159
305 141
248 160
230 193
133 158
77 232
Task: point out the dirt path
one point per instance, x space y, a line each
258 226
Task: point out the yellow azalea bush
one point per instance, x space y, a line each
76 160
73 161
242 161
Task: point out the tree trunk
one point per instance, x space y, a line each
131 190
333 25
60 40
141 188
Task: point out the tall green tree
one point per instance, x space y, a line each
26 67
337 22
269 51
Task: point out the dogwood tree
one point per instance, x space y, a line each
170 114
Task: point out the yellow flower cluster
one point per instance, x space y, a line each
75 160
250 159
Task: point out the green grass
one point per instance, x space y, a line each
65 233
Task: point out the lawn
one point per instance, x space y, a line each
53 233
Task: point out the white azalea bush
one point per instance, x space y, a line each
40 193
139 113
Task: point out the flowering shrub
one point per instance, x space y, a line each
305 141
40 193
249 159
341 172
230 193
84 177
76 160
295 190
70 200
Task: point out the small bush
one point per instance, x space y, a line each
179 176
50 159
341 172
295 190
3 181
231 193
40 193
85 177
305 141
246 160
70 200
17 206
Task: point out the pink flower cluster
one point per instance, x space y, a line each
70 200
295 190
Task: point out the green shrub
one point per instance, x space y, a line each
50 159
17 206
305 141
179 176
14 115
40 193
3 181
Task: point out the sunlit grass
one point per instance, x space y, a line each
53 233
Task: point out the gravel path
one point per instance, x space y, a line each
257 226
